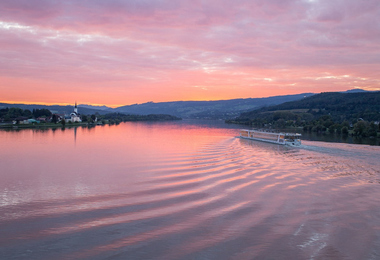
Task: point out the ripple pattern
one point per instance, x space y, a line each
234 199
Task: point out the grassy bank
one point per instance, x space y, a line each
40 125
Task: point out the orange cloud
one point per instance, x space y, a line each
124 52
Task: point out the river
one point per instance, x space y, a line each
184 190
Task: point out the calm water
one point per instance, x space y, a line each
184 190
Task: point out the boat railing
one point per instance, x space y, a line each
273 131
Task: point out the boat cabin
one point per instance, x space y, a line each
272 137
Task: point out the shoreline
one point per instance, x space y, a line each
10 126
43 125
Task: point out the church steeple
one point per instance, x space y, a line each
76 108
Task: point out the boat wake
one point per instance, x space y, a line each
232 198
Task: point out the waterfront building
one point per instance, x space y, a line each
74 116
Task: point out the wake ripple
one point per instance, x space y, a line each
222 194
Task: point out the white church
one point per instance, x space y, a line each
74 116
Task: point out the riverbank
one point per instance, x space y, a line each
43 125
114 119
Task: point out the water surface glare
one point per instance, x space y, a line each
184 190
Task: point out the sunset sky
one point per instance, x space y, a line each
120 52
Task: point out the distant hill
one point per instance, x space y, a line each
337 106
85 110
95 107
221 109
355 90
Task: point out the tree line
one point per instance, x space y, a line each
116 118
339 113
10 114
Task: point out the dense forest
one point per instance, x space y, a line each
330 112
115 118
13 113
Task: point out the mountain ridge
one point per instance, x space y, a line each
214 109
336 106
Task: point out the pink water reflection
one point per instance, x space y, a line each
36 164
144 187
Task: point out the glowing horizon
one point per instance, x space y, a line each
123 52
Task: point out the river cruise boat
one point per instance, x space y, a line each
271 137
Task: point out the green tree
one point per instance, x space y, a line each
281 123
372 130
15 112
54 118
346 124
41 112
4 112
338 128
27 113
344 130
318 128
360 128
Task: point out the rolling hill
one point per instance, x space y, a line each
221 109
339 107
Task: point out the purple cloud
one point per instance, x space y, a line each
141 43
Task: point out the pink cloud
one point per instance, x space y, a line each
202 46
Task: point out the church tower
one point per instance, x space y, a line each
76 108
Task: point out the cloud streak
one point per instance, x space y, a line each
121 52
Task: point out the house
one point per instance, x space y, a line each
33 121
56 118
42 119
20 120
67 119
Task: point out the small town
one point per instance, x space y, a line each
17 116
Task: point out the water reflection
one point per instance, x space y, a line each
339 138
184 190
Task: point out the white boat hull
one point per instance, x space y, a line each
263 140
270 137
